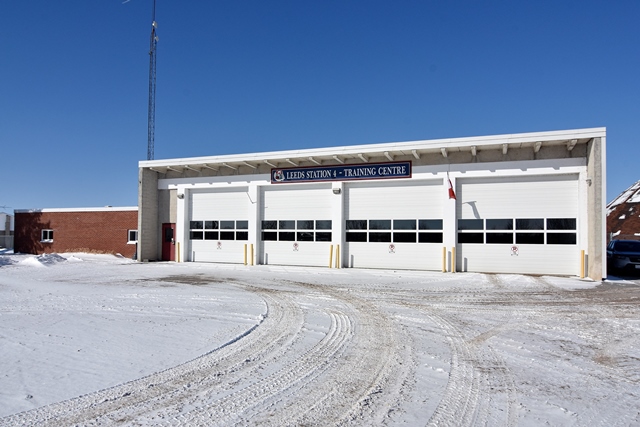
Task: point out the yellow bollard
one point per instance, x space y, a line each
252 254
444 259
178 244
453 259
245 254
330 256
337 256
582 264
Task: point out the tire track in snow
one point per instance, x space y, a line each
121 404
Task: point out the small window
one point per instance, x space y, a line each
132 236
429 237
404 224
210 225
46 236
305 236
380 237
196 235
242 235
227 235
287 236
195 225
530 224
305 225
404 237
242 225
269 225
430 224
500 224
471 237
323 236
323 225
561 223
227 225
287 225
470 224
357 237
500 238
561 238
379 224
269 235
210 235
530 238
357 224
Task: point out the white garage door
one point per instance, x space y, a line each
218 225
394 225
518 225
296 224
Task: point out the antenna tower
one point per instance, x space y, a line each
152 86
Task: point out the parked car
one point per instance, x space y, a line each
624 255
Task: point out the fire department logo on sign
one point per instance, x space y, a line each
392 248
514 251
278 175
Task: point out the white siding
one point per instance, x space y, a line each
516 197
397 200
300 202
218 205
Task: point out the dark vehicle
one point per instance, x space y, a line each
624 255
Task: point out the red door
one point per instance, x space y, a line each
168 242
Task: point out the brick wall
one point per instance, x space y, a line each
76 231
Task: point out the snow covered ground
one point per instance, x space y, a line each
101 340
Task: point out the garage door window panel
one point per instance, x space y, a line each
470 224
357 224
269 225
404 224
530 238
322 236
470 237
561 238
530 224
429 237
323 224
561 223
211 225
430 224
270 236
211 235
500 238
500 224
287 236
357 236
379 224
404 237
287 225
305 225
376 236
305 236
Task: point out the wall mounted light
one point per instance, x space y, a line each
180 196
337 191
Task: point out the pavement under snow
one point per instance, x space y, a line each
101 340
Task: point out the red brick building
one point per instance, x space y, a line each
95 230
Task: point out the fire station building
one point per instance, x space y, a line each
530 203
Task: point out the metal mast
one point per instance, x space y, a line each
152 85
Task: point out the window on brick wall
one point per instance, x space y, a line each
133 236
46 236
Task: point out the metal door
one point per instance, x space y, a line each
168 242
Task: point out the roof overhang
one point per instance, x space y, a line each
390 151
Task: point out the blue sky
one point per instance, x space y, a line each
255 75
